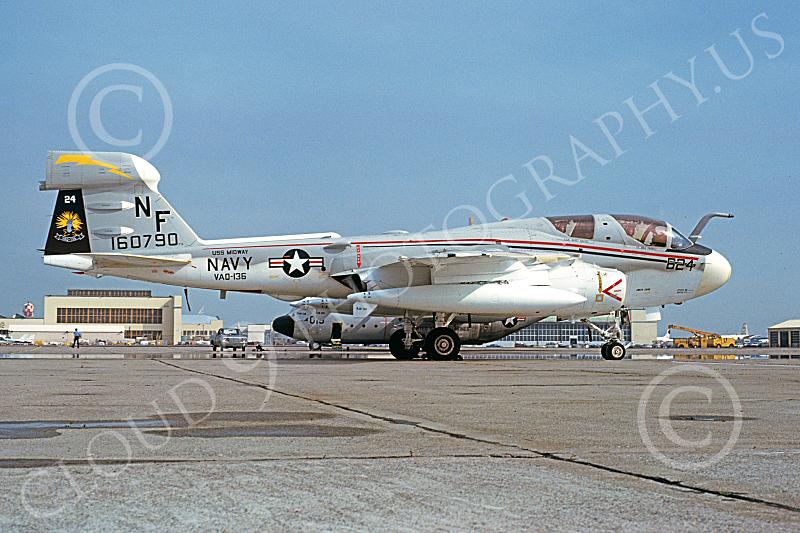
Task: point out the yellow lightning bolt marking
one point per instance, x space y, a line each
87 160
599 282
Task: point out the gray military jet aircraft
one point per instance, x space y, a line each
326 321
111 220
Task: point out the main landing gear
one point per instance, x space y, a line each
612 349
398 348
440 344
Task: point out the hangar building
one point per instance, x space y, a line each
785 335
111 315
548 331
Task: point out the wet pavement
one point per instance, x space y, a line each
379 352
499 444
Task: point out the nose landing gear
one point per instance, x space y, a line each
613 349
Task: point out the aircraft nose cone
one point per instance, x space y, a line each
284 325
716 274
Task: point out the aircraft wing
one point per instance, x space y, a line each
470 267
496 283
463 266
443 259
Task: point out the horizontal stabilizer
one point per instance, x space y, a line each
116 260
88 262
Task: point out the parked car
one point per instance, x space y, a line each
228 338
757 342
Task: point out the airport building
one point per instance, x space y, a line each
112 315
785 335
262 334
199 327
549 332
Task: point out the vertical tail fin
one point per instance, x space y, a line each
109 202
68 232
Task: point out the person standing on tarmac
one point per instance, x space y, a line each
76 339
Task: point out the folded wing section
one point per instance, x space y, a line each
495 283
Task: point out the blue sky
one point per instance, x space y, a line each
361 117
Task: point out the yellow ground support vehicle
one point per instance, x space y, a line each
701 339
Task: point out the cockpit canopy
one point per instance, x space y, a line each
645 230
578 226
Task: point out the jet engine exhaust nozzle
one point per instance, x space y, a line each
284 325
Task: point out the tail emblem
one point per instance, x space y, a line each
69 226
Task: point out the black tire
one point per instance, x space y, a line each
397 346
615 351
604 351
442 344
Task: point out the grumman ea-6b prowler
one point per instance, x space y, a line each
111 220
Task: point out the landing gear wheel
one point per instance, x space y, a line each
398 347
613 351
442 344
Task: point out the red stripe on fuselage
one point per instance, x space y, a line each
537 243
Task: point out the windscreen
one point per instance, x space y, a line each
679 242
648 231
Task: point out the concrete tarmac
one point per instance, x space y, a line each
199 444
